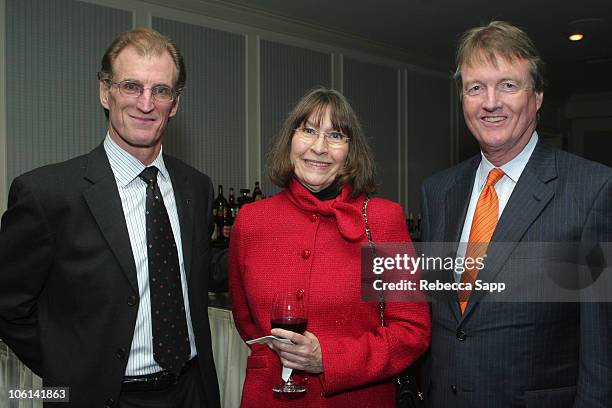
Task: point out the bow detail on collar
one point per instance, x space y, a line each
345 209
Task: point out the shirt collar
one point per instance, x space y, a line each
514 168
125 166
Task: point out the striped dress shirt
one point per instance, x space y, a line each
132 191
504 187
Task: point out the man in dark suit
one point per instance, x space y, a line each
104 258
514 354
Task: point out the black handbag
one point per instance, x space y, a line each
407 394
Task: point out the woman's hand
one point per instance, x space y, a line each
303 354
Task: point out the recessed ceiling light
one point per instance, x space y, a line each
575 36
585 27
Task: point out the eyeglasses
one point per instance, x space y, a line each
332 138
161 93
504 88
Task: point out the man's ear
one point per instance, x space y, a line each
104 90
539 99
175 104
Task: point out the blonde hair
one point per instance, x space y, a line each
499 39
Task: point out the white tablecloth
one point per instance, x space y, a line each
15 375
229 351
230 355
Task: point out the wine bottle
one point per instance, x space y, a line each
257 193
232 205
219 206
244 198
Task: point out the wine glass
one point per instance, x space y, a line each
289 313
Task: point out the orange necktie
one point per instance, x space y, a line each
483 226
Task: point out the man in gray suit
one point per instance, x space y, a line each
515 354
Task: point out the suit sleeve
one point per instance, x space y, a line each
425 215
595 373
26 256
218 270
382 352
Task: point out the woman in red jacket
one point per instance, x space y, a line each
308 239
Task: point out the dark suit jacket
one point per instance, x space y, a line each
68 286
522 354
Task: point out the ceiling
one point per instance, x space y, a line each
428 30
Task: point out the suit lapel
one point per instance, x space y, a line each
105 204
531 195
183 196
456 205
458 200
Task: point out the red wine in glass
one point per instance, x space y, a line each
294 324
289 313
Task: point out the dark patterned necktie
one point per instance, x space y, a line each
170 338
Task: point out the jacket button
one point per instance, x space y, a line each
460 335
306 254
120 353
454 389
110 403
131 300
314 217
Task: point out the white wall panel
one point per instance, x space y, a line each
287 73
53 50
428 113
209 129
373 92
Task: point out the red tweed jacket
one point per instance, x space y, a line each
294 241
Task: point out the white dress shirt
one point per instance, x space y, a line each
132 190
504 187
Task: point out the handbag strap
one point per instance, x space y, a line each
407 386
381 294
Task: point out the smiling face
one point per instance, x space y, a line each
315 164
500 106
137 124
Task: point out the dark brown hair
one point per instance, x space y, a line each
499 39
359 169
